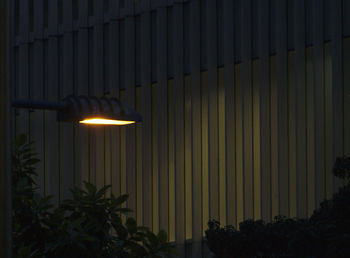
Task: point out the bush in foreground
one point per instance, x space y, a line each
88 225
325 234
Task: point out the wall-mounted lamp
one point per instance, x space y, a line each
86 110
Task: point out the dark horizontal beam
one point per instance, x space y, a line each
39 104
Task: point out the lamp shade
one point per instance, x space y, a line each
86 110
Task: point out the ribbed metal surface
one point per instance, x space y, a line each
243 104
5 137
74 109
82 107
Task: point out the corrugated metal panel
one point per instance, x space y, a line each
265 113
337 80
66 88
346 96
52 154
6 76
147 115
162 118
195 85
224 135
179 129
300 108
82 88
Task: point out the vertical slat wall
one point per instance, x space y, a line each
179 128
6 13
265 115
146 107
281 107
244 111
112 67
300 107
66 88
52 157
82 88
337 81
197 230
162 104
129 58
319 99
37 88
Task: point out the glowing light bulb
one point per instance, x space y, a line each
104 121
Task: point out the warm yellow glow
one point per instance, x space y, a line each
104 121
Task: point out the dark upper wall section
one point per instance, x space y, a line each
26 28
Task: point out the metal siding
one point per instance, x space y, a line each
256 142
282 104
300 107
67 131
188 158
329 106
138 154
247 112
123 173
205 151
23 77
51 125
195 85
224 136
130 91
155 170
213 133
82 88
52 157
265 115
239 145
221 147
171 157
229 95
98 91
179 128
346 97
114 87
275 191
147 116
37 126
337 81
319 90
311 201
6 62
162 118
293 198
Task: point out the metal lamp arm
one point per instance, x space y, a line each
39 104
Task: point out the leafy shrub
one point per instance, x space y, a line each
88 225
325 234
341 168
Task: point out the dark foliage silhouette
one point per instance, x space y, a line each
325 234
88 225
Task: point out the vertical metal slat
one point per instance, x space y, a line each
300 91
247 110
179 129
162 104
130 94
282 105
51 125
319 89
82 133
67 130
265 117
197 224
337 81
211 23
147 117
